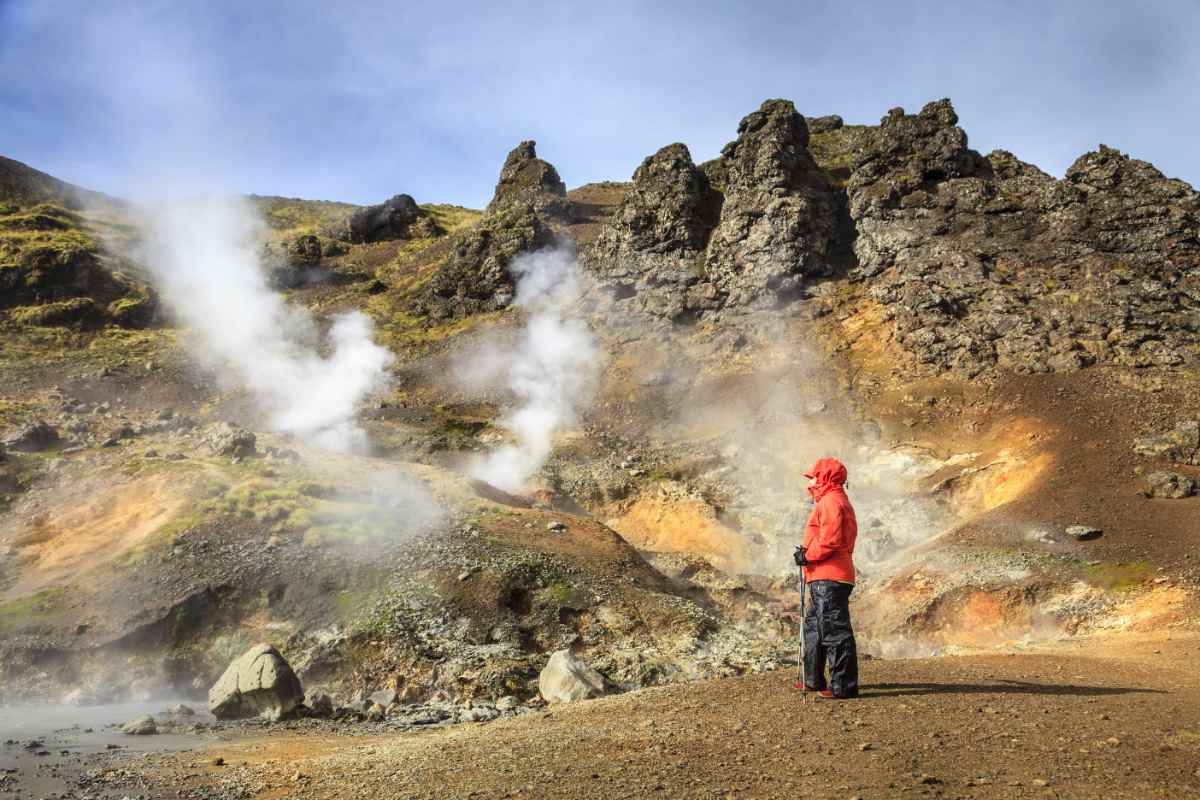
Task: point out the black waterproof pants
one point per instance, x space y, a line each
829 639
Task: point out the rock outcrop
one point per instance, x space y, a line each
397 218
986 262
977 262
259 683
654 250
779 216
475 279
744 231
566 679
527 180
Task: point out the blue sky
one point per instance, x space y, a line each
360 100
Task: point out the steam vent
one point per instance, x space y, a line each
497 475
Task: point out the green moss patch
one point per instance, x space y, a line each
1119 577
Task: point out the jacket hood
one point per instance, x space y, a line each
829 473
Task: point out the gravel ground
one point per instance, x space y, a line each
1115 718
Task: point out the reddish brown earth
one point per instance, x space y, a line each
1102 718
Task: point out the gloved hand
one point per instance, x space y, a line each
798 556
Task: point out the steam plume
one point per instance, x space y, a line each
203 252
551 369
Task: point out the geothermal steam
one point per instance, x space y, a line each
551 369
203 252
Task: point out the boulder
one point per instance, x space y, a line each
258 683
181 710
36 437
231 440
566 679
1181 444
1171 485
142 726
397 218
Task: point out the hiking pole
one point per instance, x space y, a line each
800 683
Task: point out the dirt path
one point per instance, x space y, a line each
1074 723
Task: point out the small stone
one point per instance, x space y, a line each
218 762
1083 533
865 746
556 526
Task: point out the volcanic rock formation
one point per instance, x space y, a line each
529 199
397 218
976 262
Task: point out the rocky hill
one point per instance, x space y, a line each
998 354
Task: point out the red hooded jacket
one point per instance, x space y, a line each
831 530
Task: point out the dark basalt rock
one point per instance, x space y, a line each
742 231
529 200
824 124
986 262
526 179
653 251
397 218
475 278
779 216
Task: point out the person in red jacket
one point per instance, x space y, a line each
827 558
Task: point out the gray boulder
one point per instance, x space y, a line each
1170 485
142 726
566 679
304 251
830 122
259 683
232 440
